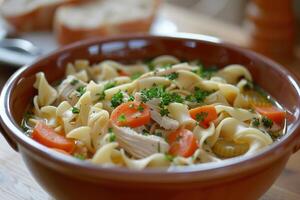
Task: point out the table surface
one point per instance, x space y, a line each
17 183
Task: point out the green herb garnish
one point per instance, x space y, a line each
110 130
164 112
74 82
145 132
268 123
255 122
200 117
198 96
122 118
131 98
109 85
150 65
154 92
79 156
140 108
169 157
75 110
168 98
101 96
81 90
112 137
205 72
159 134
117 99
135 75
172 76
165 97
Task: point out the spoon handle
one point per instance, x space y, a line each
14 58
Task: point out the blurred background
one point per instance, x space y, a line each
268 27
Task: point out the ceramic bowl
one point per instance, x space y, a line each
64 177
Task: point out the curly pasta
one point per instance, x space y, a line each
159 113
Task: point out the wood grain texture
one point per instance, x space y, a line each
16 183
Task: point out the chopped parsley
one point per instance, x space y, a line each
172 76
79 156
164 112
110 85
198 96
154 92
169 157
268 123
150 65
117 99
168 98
81 90
74 82
110 130
135 75
75 110
112 137
166 66
200 117
106 87
140 108
101 96
131 98
165 97
122 118
159 134
255 122
145 132
205 72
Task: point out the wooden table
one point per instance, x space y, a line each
16 183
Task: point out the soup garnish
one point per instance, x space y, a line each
159 113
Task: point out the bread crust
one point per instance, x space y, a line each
66 35
38 19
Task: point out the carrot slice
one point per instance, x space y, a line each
204 114
182 142
132 114
272 113
48 137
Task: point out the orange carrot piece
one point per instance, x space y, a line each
132 114
204 114
48 137
182 143
272 113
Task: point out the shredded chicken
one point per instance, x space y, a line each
163 121
67 90
138 145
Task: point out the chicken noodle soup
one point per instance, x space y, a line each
159 113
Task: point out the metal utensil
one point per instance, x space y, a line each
16 52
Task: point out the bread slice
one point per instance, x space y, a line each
31 15
102 18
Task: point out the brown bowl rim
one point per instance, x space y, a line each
203 172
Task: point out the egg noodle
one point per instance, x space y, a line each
159 113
